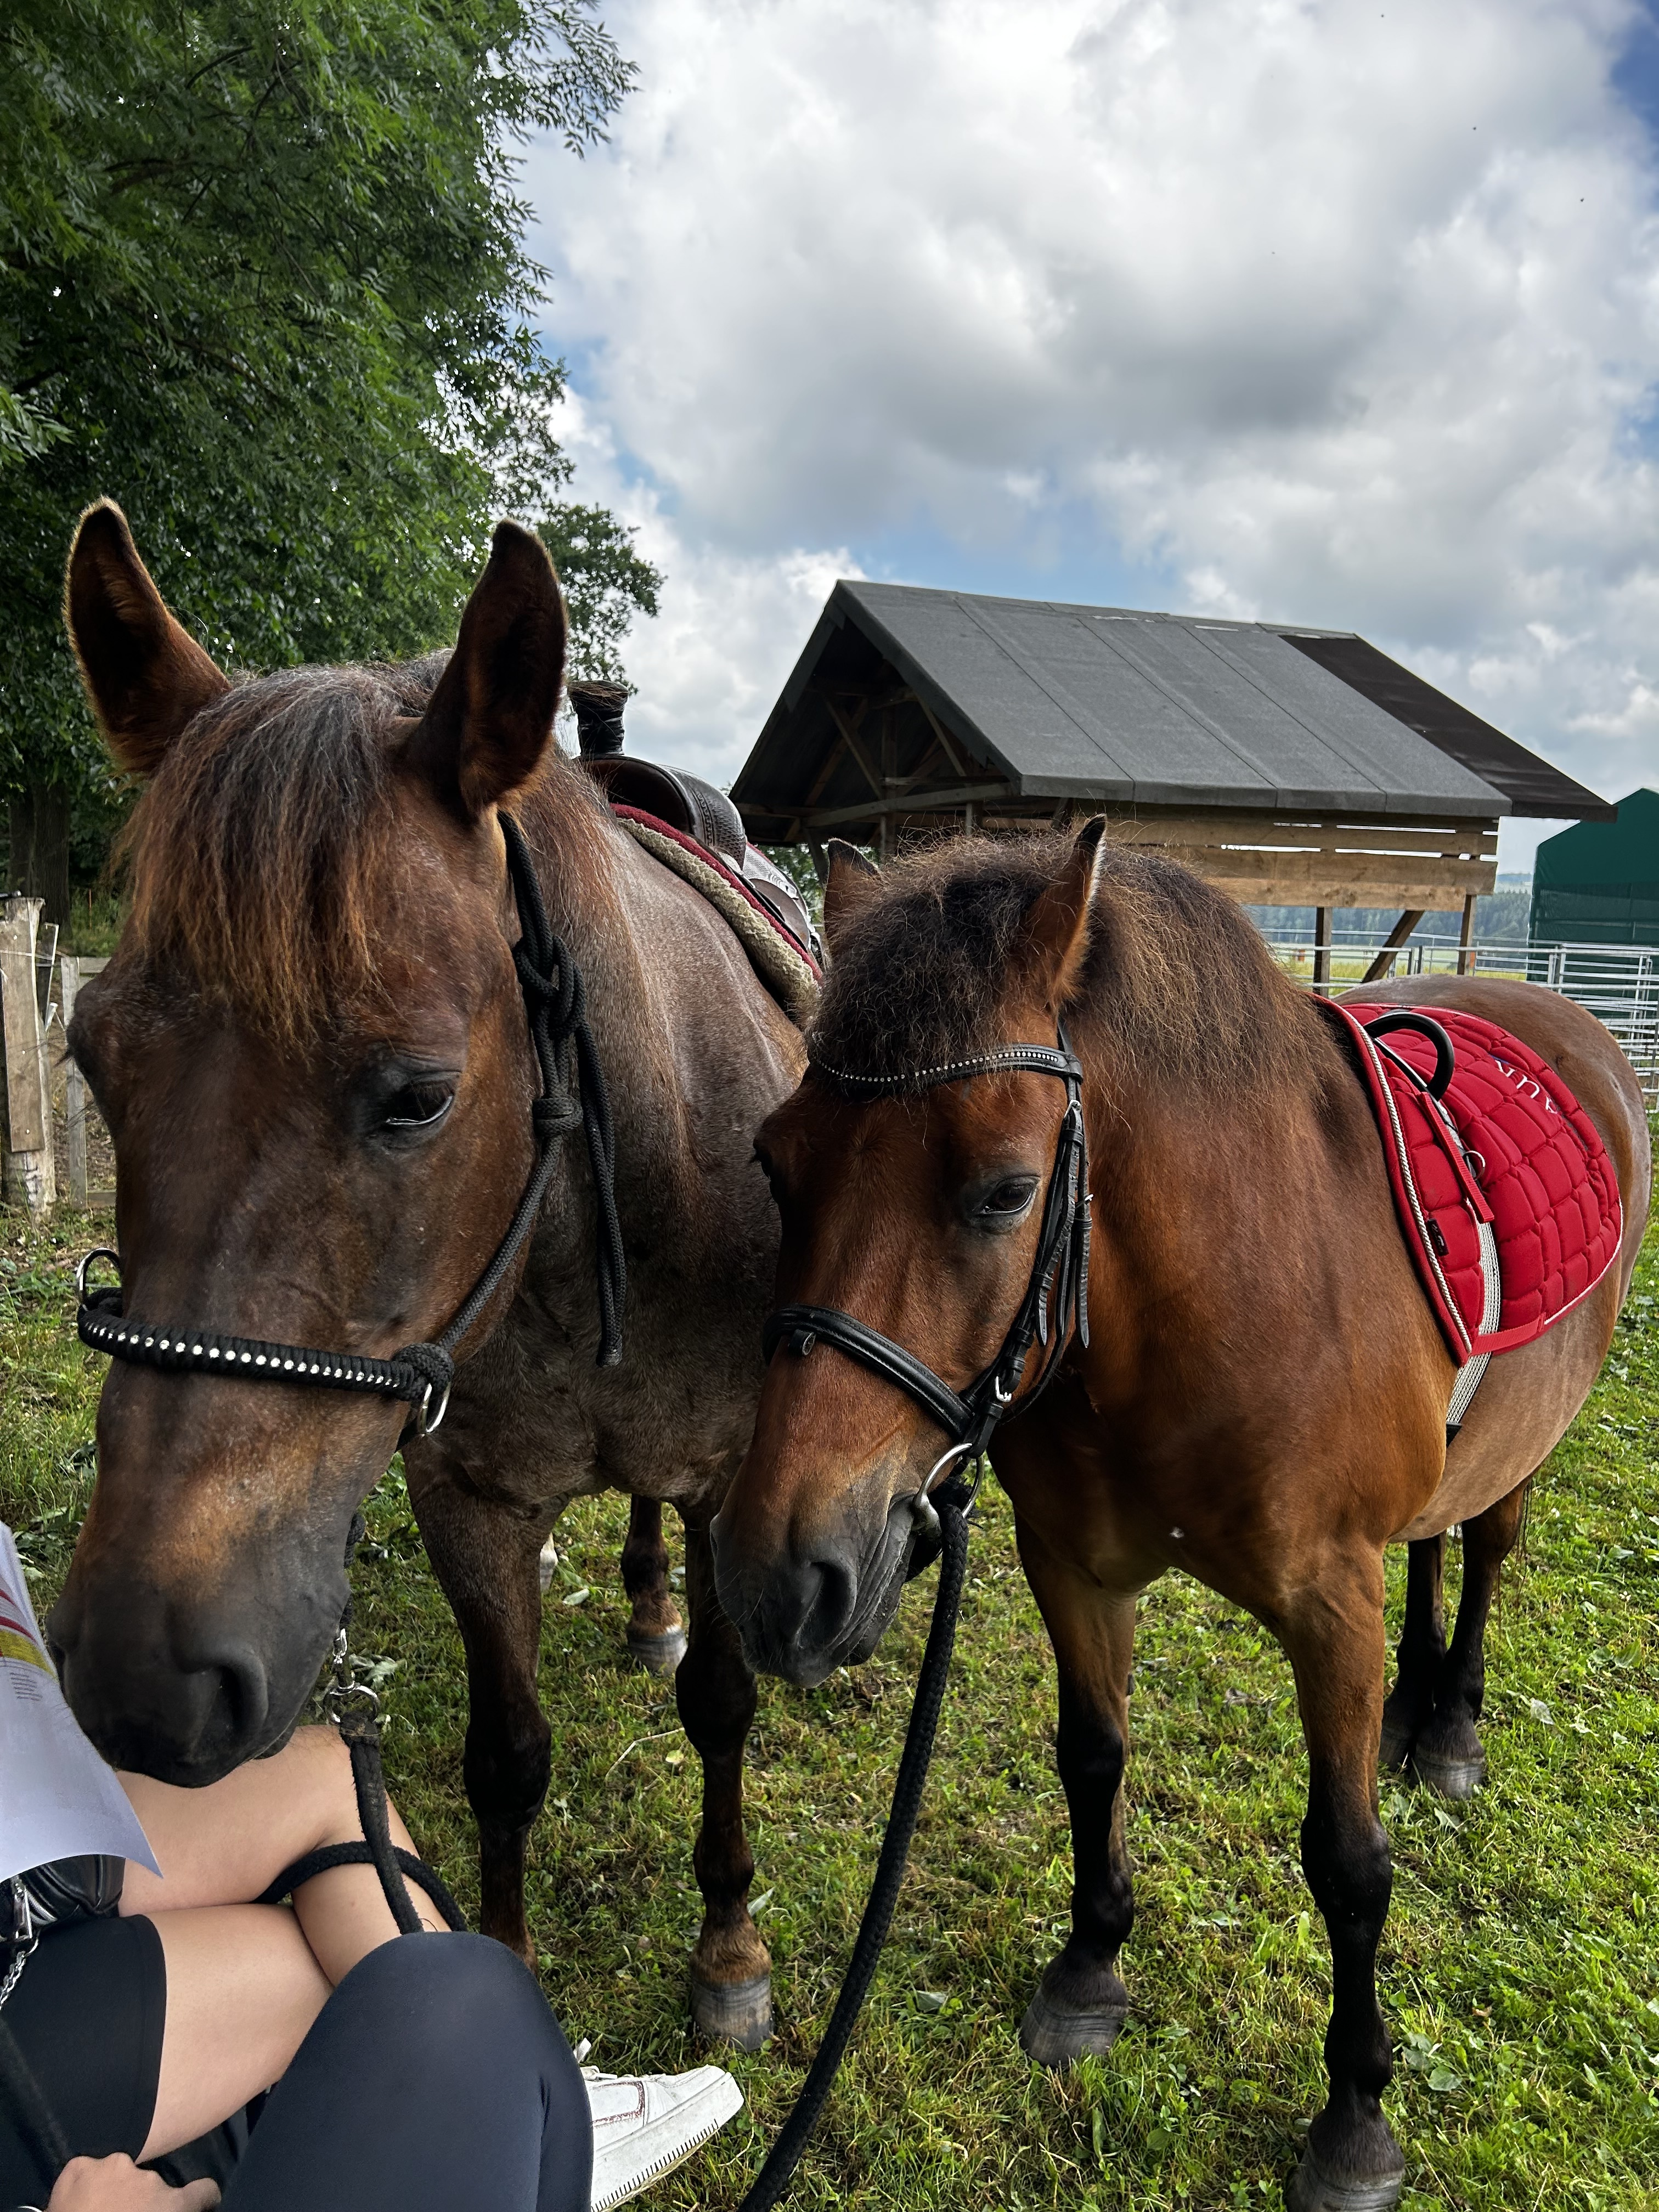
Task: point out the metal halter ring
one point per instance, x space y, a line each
921 1505
426 1421
103 1252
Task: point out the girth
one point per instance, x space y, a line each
1055 1304
555 1010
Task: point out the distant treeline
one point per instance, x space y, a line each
1499 918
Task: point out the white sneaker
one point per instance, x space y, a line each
645 2124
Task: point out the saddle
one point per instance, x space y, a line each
1505 1195
694 830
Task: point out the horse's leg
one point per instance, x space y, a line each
1422 1647
654 1635
485 1558
1080 2002
1338 1646
1447 1755
731 1967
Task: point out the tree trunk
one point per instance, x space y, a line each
39 827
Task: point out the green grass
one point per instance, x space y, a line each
1521 1966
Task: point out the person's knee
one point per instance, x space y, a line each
461 1993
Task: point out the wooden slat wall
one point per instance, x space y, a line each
1435 868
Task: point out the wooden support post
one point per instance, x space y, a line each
72 973
967 819
29 1177
1321 973
1384 964
1465 937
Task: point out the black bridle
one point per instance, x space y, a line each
1056 1301
1055 1304
555 1009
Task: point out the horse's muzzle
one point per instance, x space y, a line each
186 1699
805 1613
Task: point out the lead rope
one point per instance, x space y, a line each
951 1502
353 1708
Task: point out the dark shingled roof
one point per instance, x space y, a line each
1106 705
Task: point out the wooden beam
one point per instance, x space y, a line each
938 730
1478 841
1465 937
849 738
916 802
1360 871
1391 944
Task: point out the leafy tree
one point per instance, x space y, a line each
605 583
262 280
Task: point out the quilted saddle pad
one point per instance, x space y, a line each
1511 1147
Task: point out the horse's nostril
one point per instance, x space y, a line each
828 1592
232 1696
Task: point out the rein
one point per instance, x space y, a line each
967 1418
556 1011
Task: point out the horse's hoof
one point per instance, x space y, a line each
1312 2189
1050 2036
733 2012
658 1655
1448 1777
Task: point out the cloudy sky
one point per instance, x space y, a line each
1294 310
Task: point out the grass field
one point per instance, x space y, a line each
1521 1966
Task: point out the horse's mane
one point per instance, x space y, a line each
261 850
1177 985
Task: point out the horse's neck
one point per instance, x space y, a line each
1201 1188
584 869
654 998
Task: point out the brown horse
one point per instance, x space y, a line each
311 1050
1262 1399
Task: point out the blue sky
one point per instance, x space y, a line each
1277 309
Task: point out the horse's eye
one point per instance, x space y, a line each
418 1106
1009 1199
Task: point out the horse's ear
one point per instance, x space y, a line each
1057 934
851 880
490 719
144 675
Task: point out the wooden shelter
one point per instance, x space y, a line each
1294 766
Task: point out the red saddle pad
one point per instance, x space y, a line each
1513 1147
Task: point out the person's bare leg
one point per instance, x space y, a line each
226 1844
243 1989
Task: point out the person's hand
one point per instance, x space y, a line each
116 2185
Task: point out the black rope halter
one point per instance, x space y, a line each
1056 1301
555 1009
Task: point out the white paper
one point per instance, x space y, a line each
58 1800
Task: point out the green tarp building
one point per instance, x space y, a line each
1598 883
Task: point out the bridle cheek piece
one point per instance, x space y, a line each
1054 1308
421 1374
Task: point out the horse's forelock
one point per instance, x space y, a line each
1176 978
260 852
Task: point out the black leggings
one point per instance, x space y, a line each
435 2079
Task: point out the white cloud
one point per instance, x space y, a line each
1334 313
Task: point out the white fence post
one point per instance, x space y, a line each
30 1173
